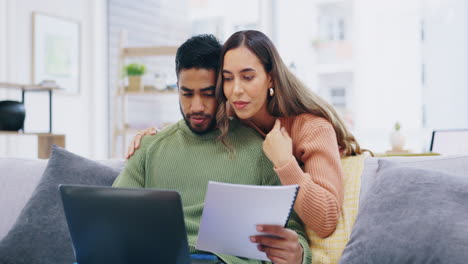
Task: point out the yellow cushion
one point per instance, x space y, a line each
328 250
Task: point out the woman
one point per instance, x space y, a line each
304 137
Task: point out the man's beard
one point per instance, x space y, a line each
209 128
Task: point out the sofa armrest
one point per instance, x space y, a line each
18 178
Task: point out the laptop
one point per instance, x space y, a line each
450 142
122 226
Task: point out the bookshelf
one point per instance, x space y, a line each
120 127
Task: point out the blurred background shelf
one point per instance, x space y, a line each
121 128
33 88
155 92
44 141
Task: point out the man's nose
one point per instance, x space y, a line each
198 104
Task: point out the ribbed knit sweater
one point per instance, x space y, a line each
317 170
178 159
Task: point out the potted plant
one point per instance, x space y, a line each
134 72
397 139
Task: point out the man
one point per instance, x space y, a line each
185 156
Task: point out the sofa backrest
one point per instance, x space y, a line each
18 179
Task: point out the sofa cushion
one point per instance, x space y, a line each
448 164
40 234
411 215
328 250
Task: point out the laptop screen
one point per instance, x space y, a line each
450 142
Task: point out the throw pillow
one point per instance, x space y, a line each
328 250
411 215
449 164
40 234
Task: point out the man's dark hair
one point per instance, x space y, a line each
200 52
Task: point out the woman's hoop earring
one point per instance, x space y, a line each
272 91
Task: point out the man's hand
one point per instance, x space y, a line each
135 144
278 146
280 244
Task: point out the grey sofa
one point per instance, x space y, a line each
19 178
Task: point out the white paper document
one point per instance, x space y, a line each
233 211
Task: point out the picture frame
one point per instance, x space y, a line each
56 52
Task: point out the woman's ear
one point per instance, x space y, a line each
270 81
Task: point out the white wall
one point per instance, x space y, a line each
295 32
82 118
3 45
445 55
223 18
386 68
388 84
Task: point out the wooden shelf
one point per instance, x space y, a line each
405 154
44 140
149 51
16 133
147 92
128 130
33 88
29 87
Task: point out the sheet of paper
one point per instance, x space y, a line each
232 212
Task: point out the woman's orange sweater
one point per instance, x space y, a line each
317 170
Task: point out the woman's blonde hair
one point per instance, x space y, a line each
291 96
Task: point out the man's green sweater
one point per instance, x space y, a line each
178 159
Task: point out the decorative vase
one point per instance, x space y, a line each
397 139
12 114
134 83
